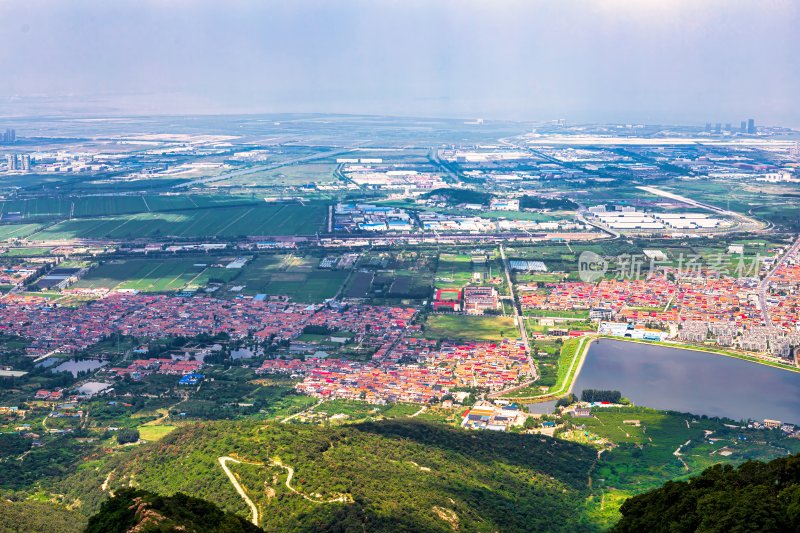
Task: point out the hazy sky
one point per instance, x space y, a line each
681 61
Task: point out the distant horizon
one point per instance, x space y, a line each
543 122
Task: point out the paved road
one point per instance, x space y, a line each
523 331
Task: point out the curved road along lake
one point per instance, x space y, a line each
689 381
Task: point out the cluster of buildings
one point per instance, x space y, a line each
18 162
169 367
783 298
59 278
488 416
9 136
701 308
367 217
67 329
630 330
504 204
478 299
653 295
63 162
628 218
444 222
449 222
15 275
367 177
410 370
472 300
484 154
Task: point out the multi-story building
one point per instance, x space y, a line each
479 299
9 136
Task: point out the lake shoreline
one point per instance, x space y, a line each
686 380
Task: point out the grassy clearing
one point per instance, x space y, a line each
27 252
581 314
155 432
485 328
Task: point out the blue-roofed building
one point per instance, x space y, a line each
191 379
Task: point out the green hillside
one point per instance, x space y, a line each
382 476
142 511
755 496
38 517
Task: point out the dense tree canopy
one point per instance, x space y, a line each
142 511
755 496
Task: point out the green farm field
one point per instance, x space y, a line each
456 270
145 275
238 221
289 275
27 252
119 205
15 231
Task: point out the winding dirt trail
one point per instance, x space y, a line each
223 462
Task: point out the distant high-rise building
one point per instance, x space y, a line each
718 127
728 126
25 162
11 161
708 126
9 136
751 126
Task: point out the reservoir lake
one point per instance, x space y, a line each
691 381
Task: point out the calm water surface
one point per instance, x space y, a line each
79 366
689 381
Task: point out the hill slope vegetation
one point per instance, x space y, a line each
755 496
142 511
381 476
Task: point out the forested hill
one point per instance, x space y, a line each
142 511
382 476
38 517
755 496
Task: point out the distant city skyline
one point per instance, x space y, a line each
659 61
